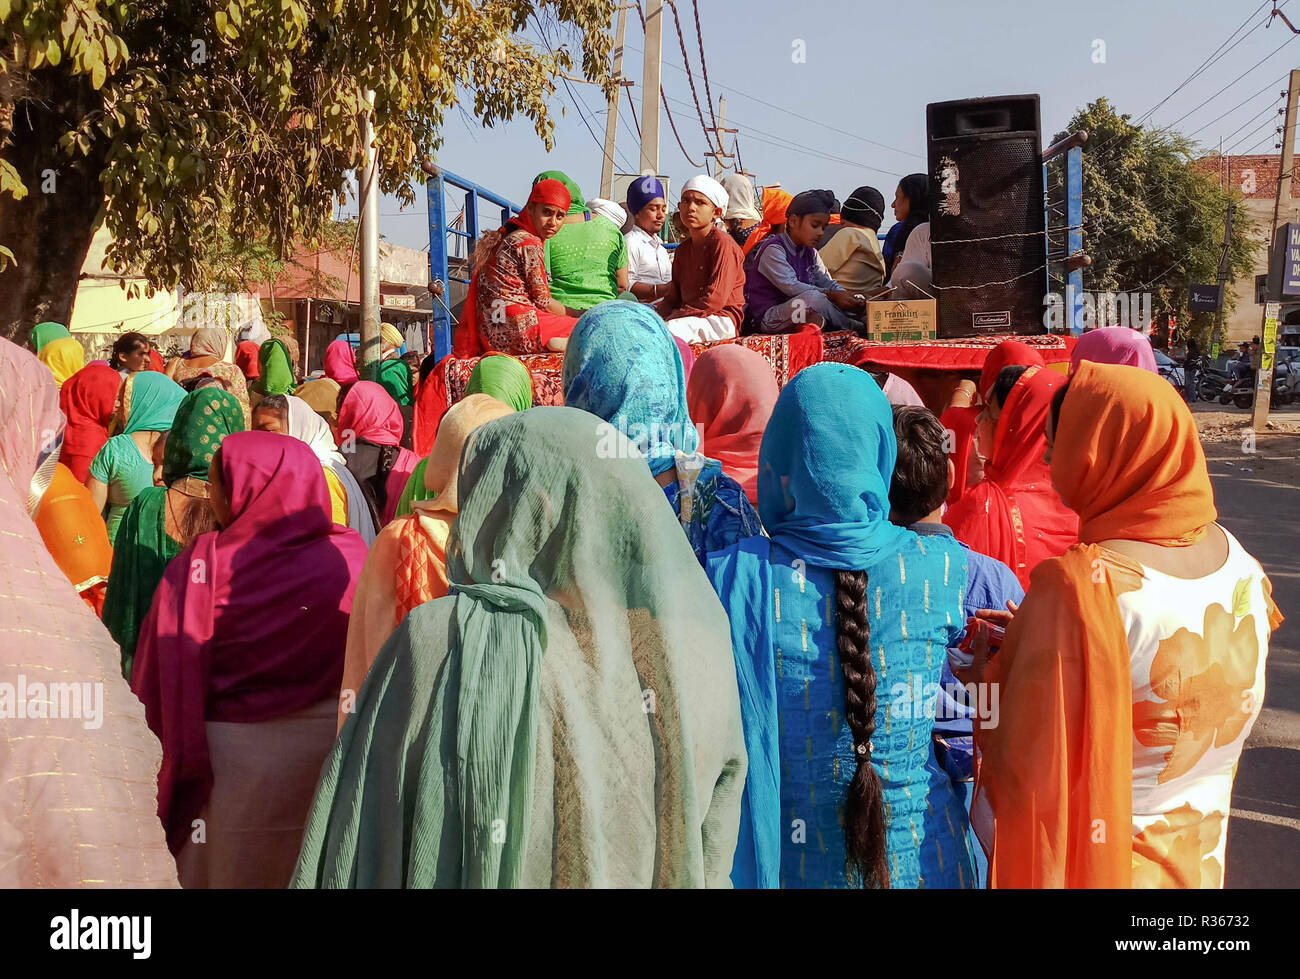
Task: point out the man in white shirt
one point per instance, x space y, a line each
649 268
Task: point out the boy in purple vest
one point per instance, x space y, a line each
786 283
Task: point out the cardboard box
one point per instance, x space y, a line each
901 321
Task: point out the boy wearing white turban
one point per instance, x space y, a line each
706 297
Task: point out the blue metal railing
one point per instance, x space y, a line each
440 229
1069 263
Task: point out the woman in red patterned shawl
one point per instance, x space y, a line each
509 307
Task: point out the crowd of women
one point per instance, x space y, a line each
686 630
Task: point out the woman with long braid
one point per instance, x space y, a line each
840 623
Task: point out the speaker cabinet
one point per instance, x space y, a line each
987 226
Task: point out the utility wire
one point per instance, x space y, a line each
797 115
1238 106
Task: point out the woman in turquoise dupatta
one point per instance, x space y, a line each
622 365
567 716
840 623
162 520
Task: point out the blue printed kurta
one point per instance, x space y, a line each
915 603
720 513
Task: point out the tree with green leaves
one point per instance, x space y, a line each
1153 222
169 120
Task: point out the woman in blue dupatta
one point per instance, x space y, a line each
622 365
840 622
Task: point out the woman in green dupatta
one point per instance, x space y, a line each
498 375
568 715
163 520
277 377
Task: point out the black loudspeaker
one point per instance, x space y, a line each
987 225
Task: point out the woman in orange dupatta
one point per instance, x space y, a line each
1132 674
76 537
407 563
1014 514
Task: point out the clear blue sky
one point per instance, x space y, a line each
870 70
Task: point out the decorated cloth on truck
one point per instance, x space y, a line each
786 353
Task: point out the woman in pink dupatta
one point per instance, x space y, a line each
369 433
78 805
239 663
730 395
1114 345
341 363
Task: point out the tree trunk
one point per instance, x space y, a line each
49 231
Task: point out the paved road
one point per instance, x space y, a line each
1262 508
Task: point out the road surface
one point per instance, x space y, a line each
1259 501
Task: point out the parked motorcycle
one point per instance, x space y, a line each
1241 391
1210 381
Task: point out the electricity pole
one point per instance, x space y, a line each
611 117
650 80
1277 260
1223 279
721 152
368 187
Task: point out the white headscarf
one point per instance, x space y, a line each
741 202
310 428
709 187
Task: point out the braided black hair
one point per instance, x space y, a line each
864 805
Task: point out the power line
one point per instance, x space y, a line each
1259 64
578 104
1238 106
704 65
1267 110
797 115
1207 62
786 143
690 77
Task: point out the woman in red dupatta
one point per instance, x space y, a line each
1014 514
730 395
509 307
239 662
87 400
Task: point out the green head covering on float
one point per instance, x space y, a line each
588 568
497 375
577 203
504 378
43 333
276 364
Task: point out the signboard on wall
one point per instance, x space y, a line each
1291 260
